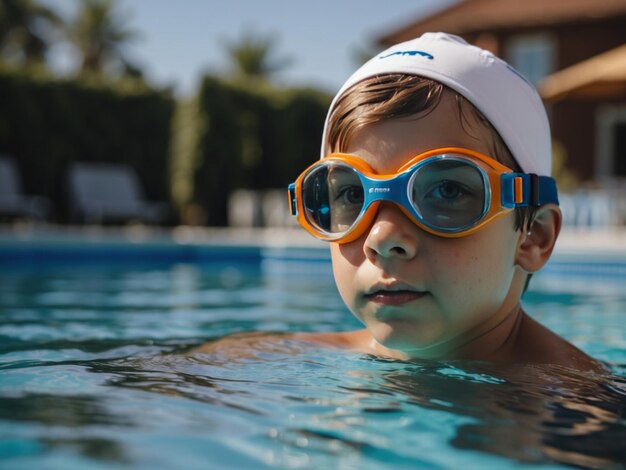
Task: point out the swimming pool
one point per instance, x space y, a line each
97 374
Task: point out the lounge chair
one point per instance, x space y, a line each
106 192
13 202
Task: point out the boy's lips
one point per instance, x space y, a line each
394 294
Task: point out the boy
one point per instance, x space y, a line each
434 190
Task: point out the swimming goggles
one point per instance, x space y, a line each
449 192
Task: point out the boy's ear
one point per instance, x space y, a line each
537 241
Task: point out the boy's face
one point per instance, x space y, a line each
416 292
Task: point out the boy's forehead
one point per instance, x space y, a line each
388 144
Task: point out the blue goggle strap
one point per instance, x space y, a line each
293 202
527 189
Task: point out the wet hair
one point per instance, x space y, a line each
398 95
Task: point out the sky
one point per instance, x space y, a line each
179 41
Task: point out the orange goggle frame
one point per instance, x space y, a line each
502 191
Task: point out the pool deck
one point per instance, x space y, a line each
141 235
611 240
608 238
35 242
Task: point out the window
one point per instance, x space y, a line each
619 146
533 55
611 142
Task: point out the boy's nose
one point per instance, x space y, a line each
392 234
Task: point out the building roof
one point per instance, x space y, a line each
473 16
602 76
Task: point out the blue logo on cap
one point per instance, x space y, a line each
412 53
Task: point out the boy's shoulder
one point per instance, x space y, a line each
534 343
538 344
357 339
250 344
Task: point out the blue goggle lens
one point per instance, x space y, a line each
449 195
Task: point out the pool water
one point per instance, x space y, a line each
97 373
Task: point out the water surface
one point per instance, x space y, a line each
96 373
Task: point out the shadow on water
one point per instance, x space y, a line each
70 412
534 414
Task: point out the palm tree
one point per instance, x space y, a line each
100 32
26 28
252 56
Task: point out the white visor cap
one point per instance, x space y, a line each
510 103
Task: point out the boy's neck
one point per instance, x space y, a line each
497 343
493 342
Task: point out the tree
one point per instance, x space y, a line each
100 32
252 56
26 29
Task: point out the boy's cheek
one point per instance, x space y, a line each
341 267
345 263
347 254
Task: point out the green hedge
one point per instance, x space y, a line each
46 124
193 153
247 135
